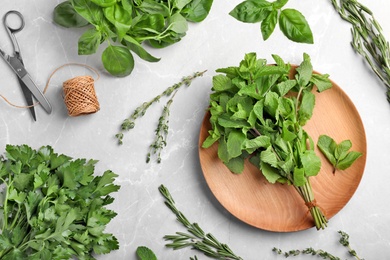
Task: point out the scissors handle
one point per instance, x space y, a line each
11 30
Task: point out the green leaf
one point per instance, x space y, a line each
178 23
236 165
252 145
304 71
305 111
118 61
299 177
311 163
328 147
252 11
153 7
294 26
89 11
342 149
235 143
104 3
270 173
89 42
120 18
268 156
348 160
65 15
278 4
145 253
268 24
197 10
221 83
136 47
321 81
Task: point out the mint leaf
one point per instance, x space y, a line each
145 253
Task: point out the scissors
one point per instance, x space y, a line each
28 86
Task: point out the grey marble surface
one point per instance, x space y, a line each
219 41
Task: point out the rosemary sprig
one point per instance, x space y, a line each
344 240
162 127
196 238
367 38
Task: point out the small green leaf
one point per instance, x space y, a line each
137 48
65 15
321 81
268 24
178 23
236 165
270 173
305 111
294 26
235 143
299 177
304 71
279 3
197 10
252 11
327 146
342 149
89 42
311 163
348 160
144 253
118 61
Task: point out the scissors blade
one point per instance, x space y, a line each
29 100
18 67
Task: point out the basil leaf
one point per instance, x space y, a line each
118 61
65 15
178 23
89 42
90 11
153 7
278 4
136 47
294 26
268 24
104 3
120 18
197 10
180 4
252 11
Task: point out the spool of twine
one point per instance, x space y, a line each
79 93
79 96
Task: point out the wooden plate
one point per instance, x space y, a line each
276 207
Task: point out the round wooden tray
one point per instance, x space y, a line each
276 207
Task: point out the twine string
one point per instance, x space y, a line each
79 92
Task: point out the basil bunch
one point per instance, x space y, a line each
291 22
255 115
125 24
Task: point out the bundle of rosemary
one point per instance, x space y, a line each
368 39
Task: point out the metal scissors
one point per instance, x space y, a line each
28 86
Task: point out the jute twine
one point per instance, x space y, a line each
79 93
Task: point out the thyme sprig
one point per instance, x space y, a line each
344 240
162 128
368 39
196 238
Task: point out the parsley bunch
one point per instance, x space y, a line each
254 114
52 207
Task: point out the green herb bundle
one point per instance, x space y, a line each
125 24
254 115
52 207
